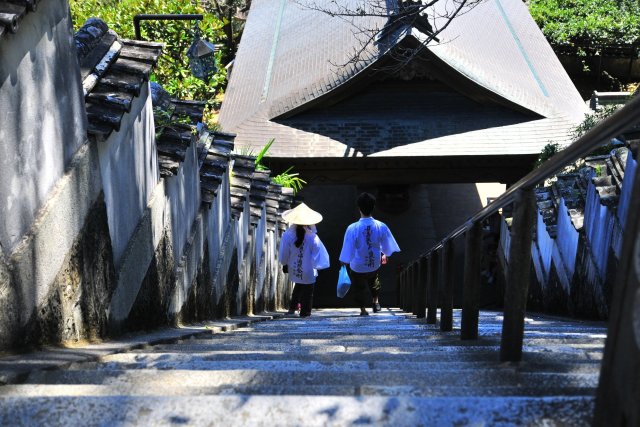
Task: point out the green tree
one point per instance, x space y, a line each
579 22
232 13
172 70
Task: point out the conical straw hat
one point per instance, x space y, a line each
302 215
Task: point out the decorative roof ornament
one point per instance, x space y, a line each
201 54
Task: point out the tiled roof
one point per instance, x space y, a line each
113 71
243 169
176 133
285 79
499 46
420 123
572 188
215 165
258 193
273 203
12 12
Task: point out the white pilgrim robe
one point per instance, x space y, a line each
303 262
364 242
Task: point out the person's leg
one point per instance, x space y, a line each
306 297
374 285
295 298
359 286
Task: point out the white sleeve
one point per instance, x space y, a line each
348 248
283 253
388 243
320 255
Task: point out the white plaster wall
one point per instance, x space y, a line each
218 221
541 250
37 259
241 230
42 115
627 187
183 191
598 227
273 265
138 255
188 267
129 169
260 236
214 239
567 238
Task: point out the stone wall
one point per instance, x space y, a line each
103 231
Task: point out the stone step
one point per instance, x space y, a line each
187 362
435 377
370 322
410 334
294 410
355 348
439 357
50 390
416 342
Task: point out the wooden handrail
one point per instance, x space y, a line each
616 403
603 132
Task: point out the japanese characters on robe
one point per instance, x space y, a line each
305 261
364 242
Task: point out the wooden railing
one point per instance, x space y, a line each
427 283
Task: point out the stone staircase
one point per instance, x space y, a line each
334 368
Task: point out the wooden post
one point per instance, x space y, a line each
409 303
412 301
518 275
446 310
432 289
401 290
471 287
415 281
407 288
422 286
619 387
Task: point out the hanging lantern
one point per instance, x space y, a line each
202 61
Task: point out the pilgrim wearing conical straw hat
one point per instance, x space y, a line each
302 215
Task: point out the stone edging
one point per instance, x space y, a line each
15 369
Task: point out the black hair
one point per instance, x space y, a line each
300 232
366 203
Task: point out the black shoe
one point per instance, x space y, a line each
376 307
364 312
291 312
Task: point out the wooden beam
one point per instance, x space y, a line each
447 282
518 276
471 287
432 289
422 286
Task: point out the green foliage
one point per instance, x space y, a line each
172 70
262 153
598 170
599 22
290 180
286 178
592 119
547 152
589 122
168 120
